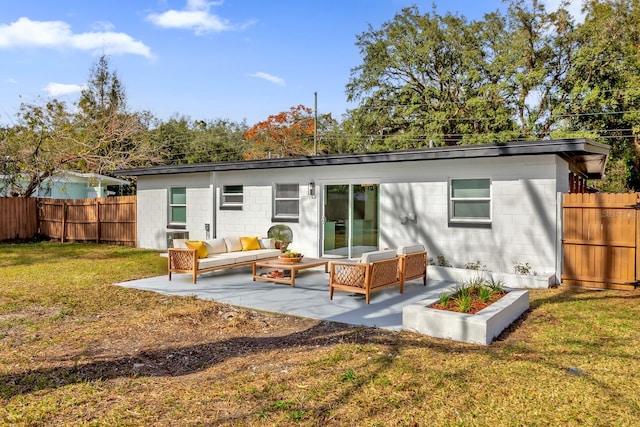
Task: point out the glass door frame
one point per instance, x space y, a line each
330 224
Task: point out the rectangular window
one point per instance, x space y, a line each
286 202
178 206
470 200
232 197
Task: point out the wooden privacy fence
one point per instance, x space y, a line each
601 236
100 220
18 218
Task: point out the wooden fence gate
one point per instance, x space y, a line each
601 236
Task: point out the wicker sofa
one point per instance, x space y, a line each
378 270
221 253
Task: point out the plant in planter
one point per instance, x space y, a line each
472 296
282 234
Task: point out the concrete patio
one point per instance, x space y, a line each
309 298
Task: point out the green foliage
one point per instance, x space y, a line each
464 301
183 141
523 268
529 73
349 375
444 299
441 261
475 266
484 293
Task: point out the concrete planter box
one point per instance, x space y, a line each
480 328
512 281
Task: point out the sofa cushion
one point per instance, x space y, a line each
250 243
266 253
179 243
215 261
229 257
368 257
233 244
268 243
215 246
245 257
199 246
410 249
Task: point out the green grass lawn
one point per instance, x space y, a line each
77 350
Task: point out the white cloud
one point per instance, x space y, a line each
196 16
11 81
57 34
56 89
269 78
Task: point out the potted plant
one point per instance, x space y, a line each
282 234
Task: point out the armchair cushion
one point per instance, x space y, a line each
368 257
410 249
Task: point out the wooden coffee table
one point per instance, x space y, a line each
293 267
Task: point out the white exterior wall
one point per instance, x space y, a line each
255 217
524 211
524 207
153 207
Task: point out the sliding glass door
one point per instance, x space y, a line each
351 219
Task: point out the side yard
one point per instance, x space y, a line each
74 349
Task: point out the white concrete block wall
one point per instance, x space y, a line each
255 217
153 207
152 217
524 203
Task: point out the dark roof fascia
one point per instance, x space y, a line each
567 148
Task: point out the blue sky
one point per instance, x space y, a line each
232 59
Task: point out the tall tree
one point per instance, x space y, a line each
605 93
111 136
538 51
41 143
98 135
423 78
286 134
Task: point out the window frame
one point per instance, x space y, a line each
280 217
228 205
172 223
470 220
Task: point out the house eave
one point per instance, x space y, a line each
587 156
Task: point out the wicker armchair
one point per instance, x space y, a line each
413 262
375 271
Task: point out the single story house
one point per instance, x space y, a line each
497 204
70 185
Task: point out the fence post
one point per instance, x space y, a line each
64 221
98 220
637 249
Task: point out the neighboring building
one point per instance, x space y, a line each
73 185
498 204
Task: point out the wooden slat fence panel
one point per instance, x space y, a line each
101 220
117 220
18 218
600 235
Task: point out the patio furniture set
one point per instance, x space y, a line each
373 271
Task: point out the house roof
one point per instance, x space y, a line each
72 176
585 156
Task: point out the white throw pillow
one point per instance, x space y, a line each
233 244
216 246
